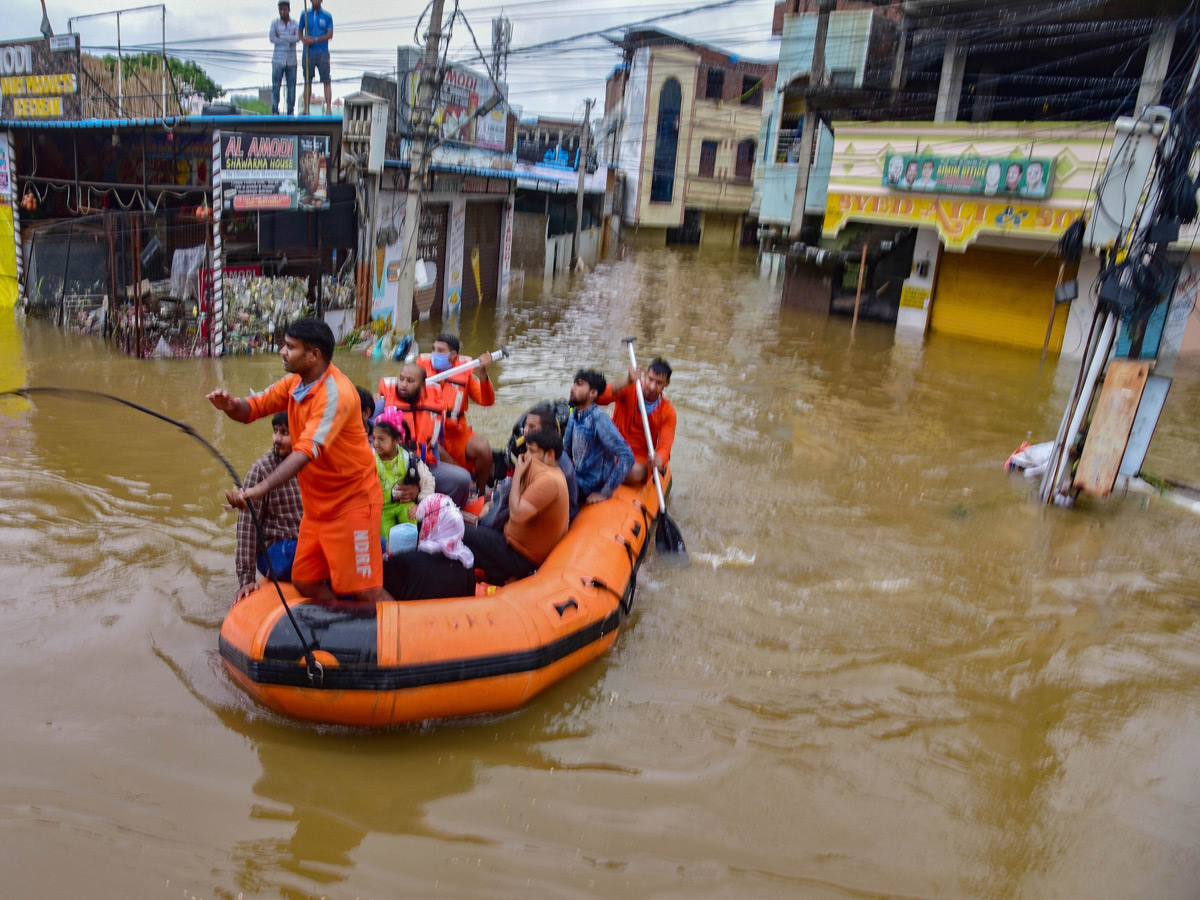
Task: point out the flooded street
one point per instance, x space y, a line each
887 672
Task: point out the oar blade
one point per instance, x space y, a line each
668 539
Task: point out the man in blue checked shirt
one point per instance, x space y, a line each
601 456
316 31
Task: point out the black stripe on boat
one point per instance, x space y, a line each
364 676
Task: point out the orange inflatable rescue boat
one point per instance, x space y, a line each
381 664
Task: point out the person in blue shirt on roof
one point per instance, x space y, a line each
316 31
601 456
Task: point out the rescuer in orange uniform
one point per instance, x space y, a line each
660 412
421 408
468 449
332 461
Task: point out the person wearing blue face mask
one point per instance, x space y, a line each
466 448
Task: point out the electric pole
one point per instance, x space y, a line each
501 40
816 78
420 116
581 165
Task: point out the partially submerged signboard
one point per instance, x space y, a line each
39 79
274 171
989 176
461 93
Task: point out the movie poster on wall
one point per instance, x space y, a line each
313 167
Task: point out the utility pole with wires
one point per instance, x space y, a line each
808 131
502 31
421 115
581 165
1137 278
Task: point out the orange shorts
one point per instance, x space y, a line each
454 443
346 550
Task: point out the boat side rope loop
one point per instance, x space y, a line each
624 542
316 673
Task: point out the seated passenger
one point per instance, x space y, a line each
441 566
601 456
537 518
465 447
541 416
405 480
279 515
660 412
367 402
422 413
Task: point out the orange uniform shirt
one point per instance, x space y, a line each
325 422
628 420
458 391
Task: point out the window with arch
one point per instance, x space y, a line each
743 167
666 142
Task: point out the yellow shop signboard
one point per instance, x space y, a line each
958 220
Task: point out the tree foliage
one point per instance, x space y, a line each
248 103
182 69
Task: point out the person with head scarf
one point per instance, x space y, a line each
441 566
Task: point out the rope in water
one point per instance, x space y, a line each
315 670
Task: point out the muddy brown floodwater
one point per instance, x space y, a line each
887 672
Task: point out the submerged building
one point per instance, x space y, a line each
681 125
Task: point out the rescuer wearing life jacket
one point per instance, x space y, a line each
465 447
660 412
423 413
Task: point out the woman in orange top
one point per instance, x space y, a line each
332 461
468 449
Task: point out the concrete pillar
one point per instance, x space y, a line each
954 64
913 316
1158 56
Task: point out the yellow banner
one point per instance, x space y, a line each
8 257
958 221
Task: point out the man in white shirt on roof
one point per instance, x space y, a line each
285 35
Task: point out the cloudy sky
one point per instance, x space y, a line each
229 40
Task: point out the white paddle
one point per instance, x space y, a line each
465 367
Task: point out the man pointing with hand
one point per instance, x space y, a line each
331 459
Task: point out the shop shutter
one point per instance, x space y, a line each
431 244
483 229
998 296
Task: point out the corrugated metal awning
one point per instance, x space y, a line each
167 122
454 169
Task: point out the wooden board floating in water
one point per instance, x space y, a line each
1113 420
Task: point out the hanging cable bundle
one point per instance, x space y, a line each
1070 243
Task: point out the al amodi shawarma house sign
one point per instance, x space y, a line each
39 79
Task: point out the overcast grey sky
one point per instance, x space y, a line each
230 40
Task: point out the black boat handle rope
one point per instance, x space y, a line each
316 671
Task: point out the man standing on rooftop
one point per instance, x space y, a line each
316 31
284 34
